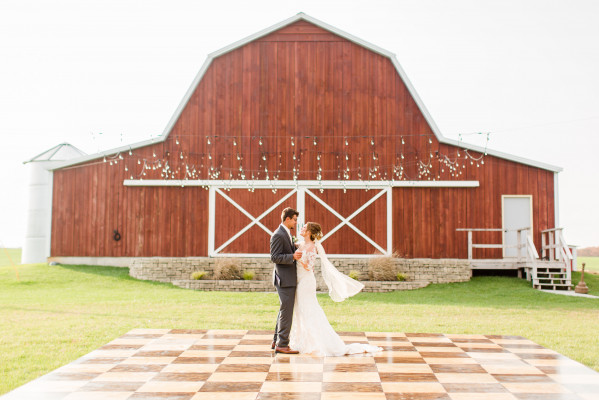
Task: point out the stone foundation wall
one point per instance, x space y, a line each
418 272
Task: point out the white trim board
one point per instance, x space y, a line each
339 32
263 184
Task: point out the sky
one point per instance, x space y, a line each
98 74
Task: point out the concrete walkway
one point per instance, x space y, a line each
570 293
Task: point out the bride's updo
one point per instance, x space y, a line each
314 229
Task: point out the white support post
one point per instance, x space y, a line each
389 220
211 216
301 206
551 246
558 245
543 245
519 241
469 245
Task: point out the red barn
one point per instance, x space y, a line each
300 114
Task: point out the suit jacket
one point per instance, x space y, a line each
281 253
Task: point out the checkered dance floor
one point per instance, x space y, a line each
218 364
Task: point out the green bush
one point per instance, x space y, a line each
197 275
248 275
354 275
401 277
227 269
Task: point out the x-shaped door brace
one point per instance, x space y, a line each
345 221
255 220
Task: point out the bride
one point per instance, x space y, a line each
310 329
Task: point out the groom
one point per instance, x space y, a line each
284 255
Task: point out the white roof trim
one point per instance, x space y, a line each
345 35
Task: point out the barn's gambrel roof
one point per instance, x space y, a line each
345 35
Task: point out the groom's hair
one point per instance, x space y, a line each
288 213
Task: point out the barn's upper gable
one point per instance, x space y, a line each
302 27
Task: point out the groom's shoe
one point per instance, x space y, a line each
285 350
273 345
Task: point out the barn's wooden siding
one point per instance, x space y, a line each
301 82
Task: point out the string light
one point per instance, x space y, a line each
409 164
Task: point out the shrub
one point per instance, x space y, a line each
248 275
226 269
401 277
197 275
354 275
382 268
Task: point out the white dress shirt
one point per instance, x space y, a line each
288 232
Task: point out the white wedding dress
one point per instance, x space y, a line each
310 330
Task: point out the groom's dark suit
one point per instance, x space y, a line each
285 281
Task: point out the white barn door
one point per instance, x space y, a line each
517 214
356 222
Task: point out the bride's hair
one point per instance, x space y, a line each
314 229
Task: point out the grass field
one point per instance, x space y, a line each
592 263
10 256
55 314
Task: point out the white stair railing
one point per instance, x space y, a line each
531 255
554 247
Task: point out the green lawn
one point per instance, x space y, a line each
592 263
53 315
10 256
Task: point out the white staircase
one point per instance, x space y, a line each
551 275
553 270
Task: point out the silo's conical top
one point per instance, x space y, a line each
61 152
